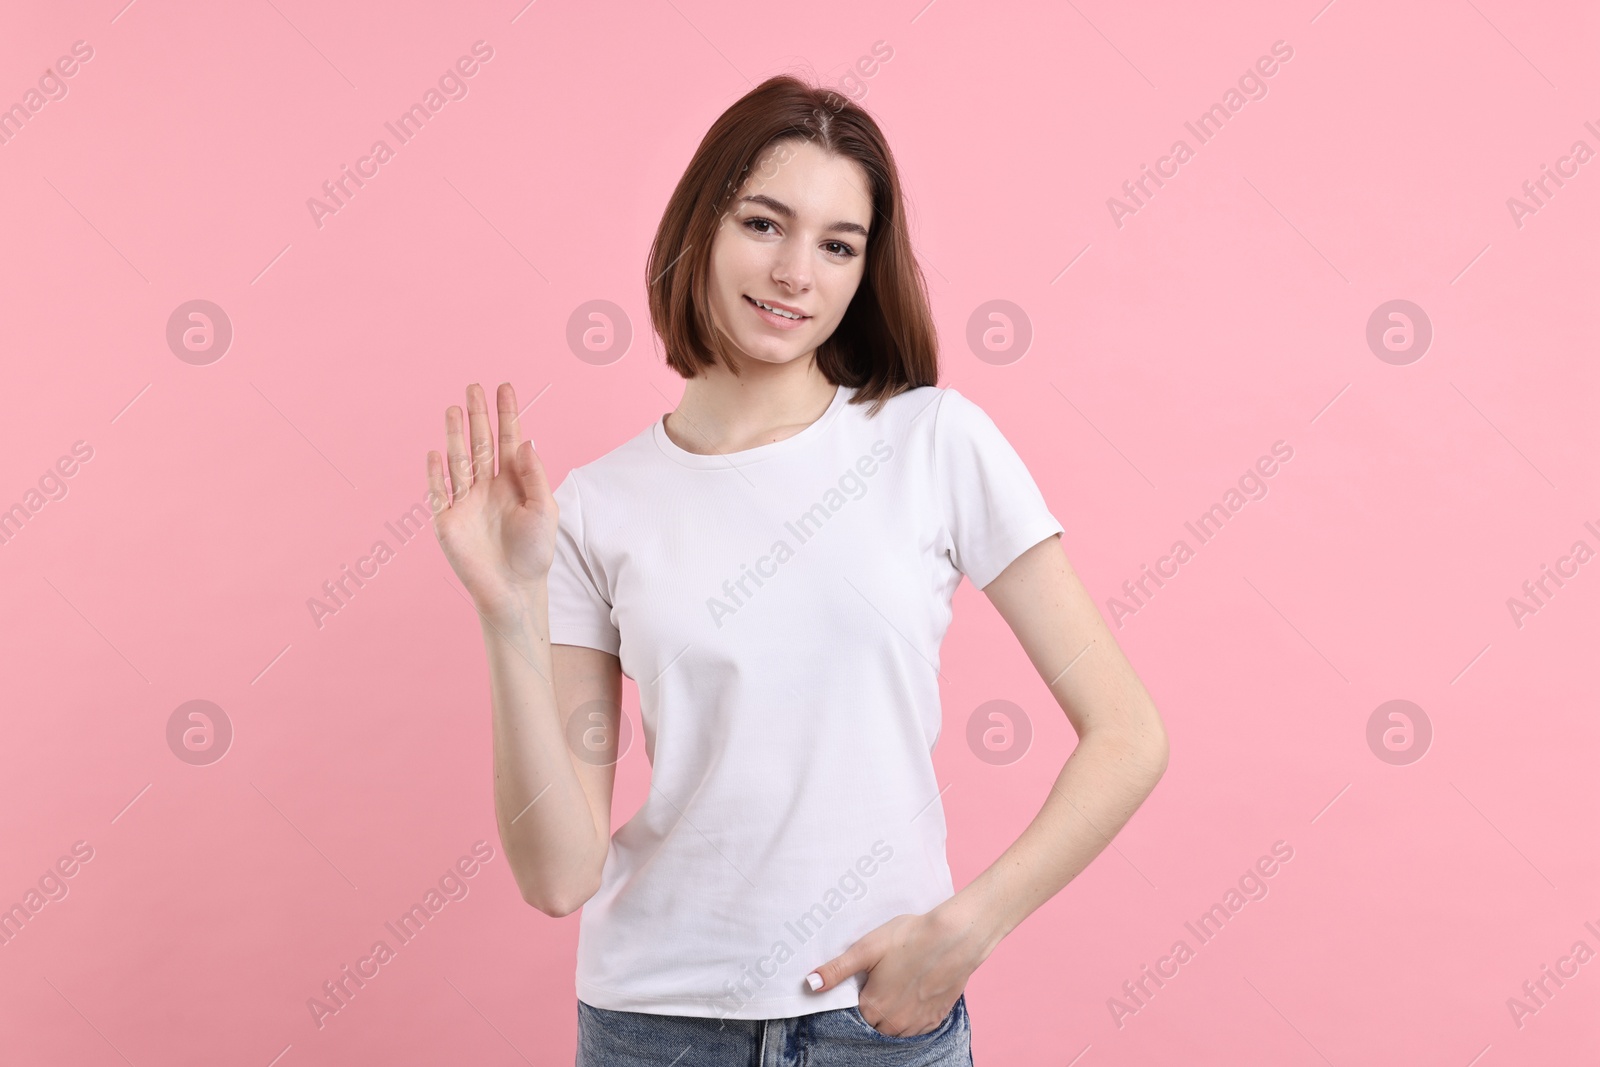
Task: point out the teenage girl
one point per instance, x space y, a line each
773 563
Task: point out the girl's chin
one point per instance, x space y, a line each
763 354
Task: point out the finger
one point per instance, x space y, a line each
875 1020
438 497
530 472
456 448
510 430
478 422
858 957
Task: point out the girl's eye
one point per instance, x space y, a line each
842 248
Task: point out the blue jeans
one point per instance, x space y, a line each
838 1038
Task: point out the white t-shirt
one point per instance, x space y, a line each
781 610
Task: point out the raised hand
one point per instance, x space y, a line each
497 529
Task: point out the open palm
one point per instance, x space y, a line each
497 529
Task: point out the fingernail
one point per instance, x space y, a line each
814 980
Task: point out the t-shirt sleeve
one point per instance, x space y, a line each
580 614
993 510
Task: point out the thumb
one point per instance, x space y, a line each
530 472
861 956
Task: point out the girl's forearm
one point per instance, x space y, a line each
546 824
1102 784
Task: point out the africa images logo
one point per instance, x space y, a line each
851 486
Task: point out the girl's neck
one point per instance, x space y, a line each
720 413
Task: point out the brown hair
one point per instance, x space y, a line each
886 342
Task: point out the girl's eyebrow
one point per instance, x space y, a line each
778 207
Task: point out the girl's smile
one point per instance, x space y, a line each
781 322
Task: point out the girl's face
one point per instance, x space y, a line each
795 237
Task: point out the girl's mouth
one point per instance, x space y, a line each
783 320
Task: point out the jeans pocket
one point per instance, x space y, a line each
854 1012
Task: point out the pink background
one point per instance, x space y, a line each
1228 313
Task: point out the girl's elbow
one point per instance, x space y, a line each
557 906
1148 747
1159 754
